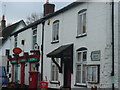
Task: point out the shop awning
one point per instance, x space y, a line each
62 51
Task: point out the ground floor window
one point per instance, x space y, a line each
81 66
93 74
54 70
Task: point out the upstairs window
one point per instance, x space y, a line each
15 43
34 35
81 28
55 33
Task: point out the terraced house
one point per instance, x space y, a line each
79 45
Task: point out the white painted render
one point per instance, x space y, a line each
99 37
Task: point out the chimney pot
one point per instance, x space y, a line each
3 17
48 8
3 22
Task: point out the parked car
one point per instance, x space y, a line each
3 77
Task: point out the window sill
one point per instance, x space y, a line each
53 42
92 82
55 82
81 35
80 85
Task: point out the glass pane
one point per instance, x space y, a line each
53 69
94 76
56 74
89 73
78 74
34 40
79 56
54 26
34 32
84 74
80 24
84 23
84 56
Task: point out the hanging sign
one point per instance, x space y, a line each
17 50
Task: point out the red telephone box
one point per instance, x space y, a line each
33 79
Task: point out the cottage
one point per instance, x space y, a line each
79 45
5 40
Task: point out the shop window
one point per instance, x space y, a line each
55 32
81 27
81 67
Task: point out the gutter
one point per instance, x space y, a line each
112 73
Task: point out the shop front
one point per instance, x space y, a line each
28 68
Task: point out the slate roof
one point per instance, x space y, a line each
5 33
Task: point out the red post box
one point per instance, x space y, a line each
33 79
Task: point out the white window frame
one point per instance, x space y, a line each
81 63
55 31
80 31
91 76
34 35
56 78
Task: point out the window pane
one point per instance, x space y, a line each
94 74
34 40
79 25
55 31
84 56
89 73
78 74
56 79
34 32
84 23
79 56
53 69
84 74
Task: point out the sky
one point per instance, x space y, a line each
16 10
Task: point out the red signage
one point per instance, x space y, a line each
17 50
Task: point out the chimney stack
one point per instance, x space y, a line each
48 8
3 22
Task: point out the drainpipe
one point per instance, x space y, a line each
42 52
112 74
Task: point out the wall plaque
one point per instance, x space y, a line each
95 55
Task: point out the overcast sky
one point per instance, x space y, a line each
16 10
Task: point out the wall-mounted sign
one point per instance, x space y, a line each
13 61
17 50
22 60
32 59
95 55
